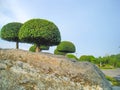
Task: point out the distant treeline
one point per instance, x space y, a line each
110 61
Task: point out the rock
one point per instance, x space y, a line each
116 88
23 70
3 66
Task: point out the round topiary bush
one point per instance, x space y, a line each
58 52
32 48
66 46
71 56
40 32
10 32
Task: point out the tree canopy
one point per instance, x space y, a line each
72 56
10 32
89 58
58 52
65 47
40 32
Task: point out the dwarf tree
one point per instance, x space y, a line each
72 56
40 32
65 47
58 52
10 32
42 47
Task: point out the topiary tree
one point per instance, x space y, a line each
88 58
66 47
42 47
10 32
58 52
40 32
71 56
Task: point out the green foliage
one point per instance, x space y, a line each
40 32
10 31
58 52
33 48
88 58
106 62
113 81
71 56
43 47
66 46
107 66
0 34
112 61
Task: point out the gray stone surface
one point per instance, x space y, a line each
22 70
116 88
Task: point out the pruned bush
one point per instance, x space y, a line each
58 52
33 48
65 47
71 56
10 32
40 32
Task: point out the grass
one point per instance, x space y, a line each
113 81
107 66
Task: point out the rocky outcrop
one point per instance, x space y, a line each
23 70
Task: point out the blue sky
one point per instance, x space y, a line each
92 25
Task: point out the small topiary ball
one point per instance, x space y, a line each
58 52
66 46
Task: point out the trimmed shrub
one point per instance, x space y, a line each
71 56
10 32
40 32
32 48
65 47
58 52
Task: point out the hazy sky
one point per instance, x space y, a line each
92 25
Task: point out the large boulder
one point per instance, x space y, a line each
23 70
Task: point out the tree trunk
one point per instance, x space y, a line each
37 48
17 45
